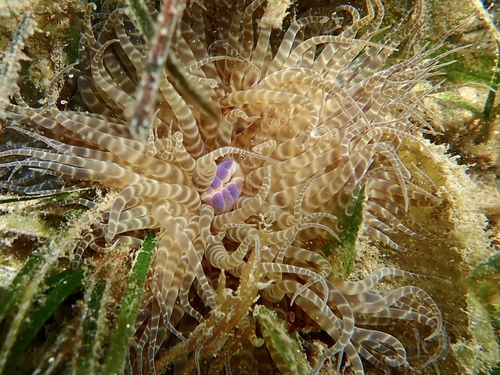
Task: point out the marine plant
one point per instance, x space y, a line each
248 148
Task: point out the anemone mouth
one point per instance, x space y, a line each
225 188
310 117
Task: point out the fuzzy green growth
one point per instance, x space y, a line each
483 282
41 217
456 100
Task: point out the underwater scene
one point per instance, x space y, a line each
249 187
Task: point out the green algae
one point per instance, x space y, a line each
343 255
39 217
484 282
347 249
479 355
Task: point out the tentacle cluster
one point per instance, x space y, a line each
306 120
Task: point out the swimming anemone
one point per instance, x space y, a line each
260 143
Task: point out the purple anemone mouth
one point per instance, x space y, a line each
225 188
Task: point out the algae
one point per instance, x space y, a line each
342 256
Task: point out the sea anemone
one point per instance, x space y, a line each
260 146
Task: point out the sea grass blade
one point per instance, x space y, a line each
86 356
484 133
153 69
140 14
59 196
54 280
495 82
284 348
16 287
124 326
39 314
